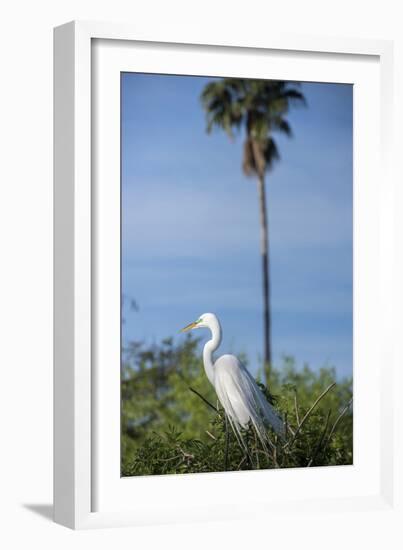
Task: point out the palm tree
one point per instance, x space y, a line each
260 108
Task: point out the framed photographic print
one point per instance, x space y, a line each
223 275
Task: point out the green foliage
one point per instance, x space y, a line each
172 422
155 393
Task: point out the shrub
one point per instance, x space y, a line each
172 423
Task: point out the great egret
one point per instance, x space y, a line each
236 389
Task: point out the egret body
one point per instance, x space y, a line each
237 391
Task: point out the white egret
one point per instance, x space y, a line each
236 389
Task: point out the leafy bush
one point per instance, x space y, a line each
172 422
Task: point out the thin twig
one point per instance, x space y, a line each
277 465
226 443
249 456
211 435
296 407
320 440
308 413
203 399
267 454
256 451
171 458
264 450
343 412
185 454
287 427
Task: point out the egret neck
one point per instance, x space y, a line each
210 347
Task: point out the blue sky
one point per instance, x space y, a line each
190 228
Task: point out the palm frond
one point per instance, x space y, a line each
259 106
283 126
295 97
271 153
248 163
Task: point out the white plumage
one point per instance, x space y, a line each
242 398
236 389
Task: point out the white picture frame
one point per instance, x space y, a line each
88 491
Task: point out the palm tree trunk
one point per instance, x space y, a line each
264 250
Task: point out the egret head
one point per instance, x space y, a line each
207 320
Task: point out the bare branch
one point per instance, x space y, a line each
343 412
296 408
308 413
204 399
320 440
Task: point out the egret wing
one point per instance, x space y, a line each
242 398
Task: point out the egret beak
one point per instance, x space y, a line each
188 327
